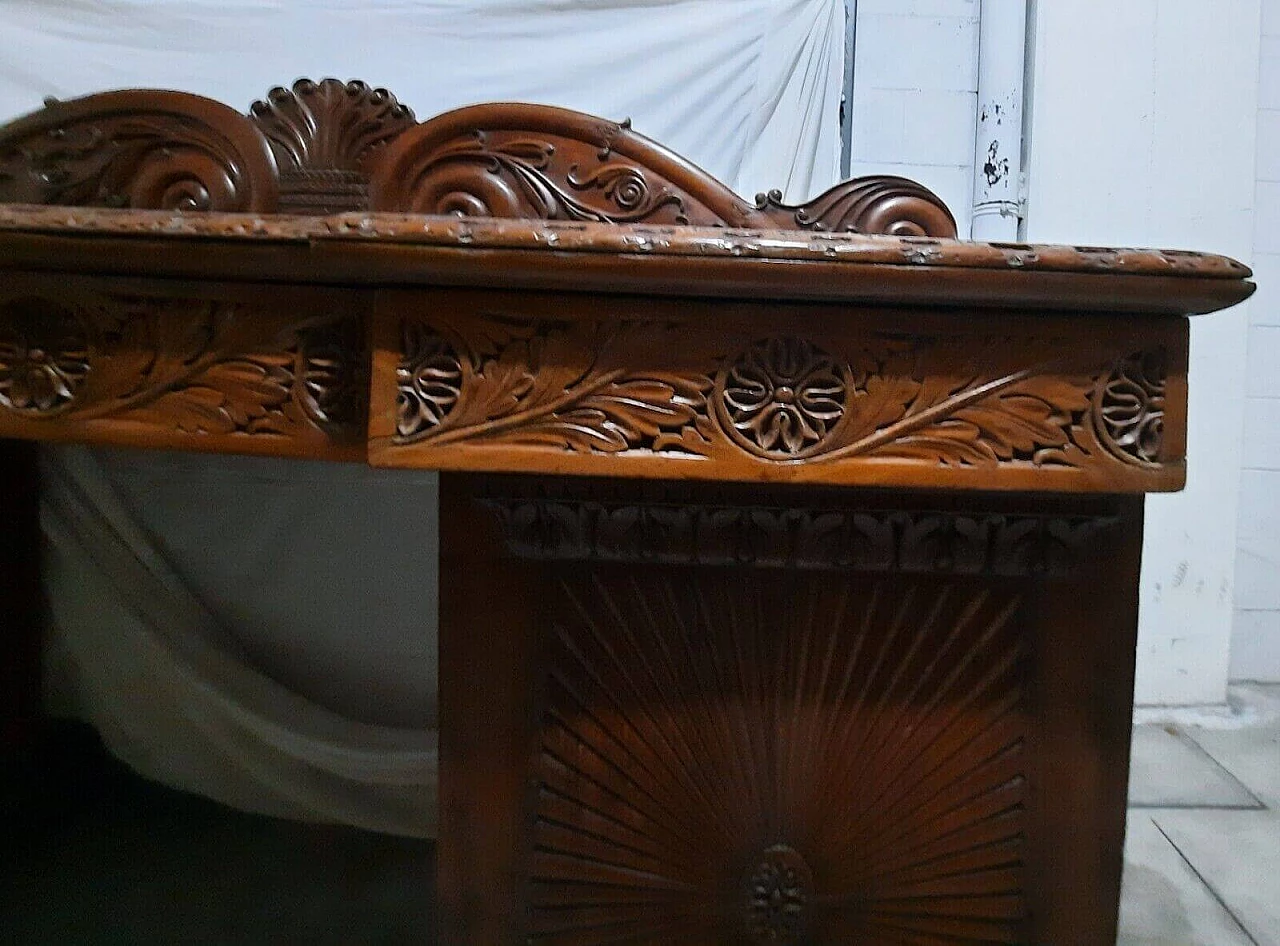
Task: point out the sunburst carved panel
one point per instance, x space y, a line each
788 760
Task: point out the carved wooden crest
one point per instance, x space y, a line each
331 146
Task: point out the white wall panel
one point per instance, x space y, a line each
915 86
1255 643
1144 132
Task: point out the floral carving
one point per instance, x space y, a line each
778 891
184 367
541 383
1128 408
512 177
651 389
782 396
44 357
428 381
330 365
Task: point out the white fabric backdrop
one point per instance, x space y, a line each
264 632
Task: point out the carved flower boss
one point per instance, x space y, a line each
784 395
429 381
44 356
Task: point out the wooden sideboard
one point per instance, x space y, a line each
790 553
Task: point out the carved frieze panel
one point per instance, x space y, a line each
267 375
779 759
816 538
732 391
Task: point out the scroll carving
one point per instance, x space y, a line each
545 176
864 539
501 380
330 146
890 205
843 798
190 367
543 383
140 150
1128 408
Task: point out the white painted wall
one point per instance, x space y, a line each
1143 131
1255 647
915 92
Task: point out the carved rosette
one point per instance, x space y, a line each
781 397
778 889
44 357
1128 407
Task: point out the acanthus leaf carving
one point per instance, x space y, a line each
138 150
328 146
574 385
541 383
197 367
509 176
894 206
44 357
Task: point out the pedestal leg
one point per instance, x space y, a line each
711 716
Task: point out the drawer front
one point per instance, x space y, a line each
736 390
230 369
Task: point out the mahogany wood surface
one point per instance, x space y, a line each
789 552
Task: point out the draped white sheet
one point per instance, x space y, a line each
263 632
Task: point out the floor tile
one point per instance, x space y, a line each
1169 770
1163 903
1237 854
1251 753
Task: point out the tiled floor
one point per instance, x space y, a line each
1202 862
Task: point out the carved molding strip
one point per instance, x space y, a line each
823 794
331 146
179 366
871 540
490 381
